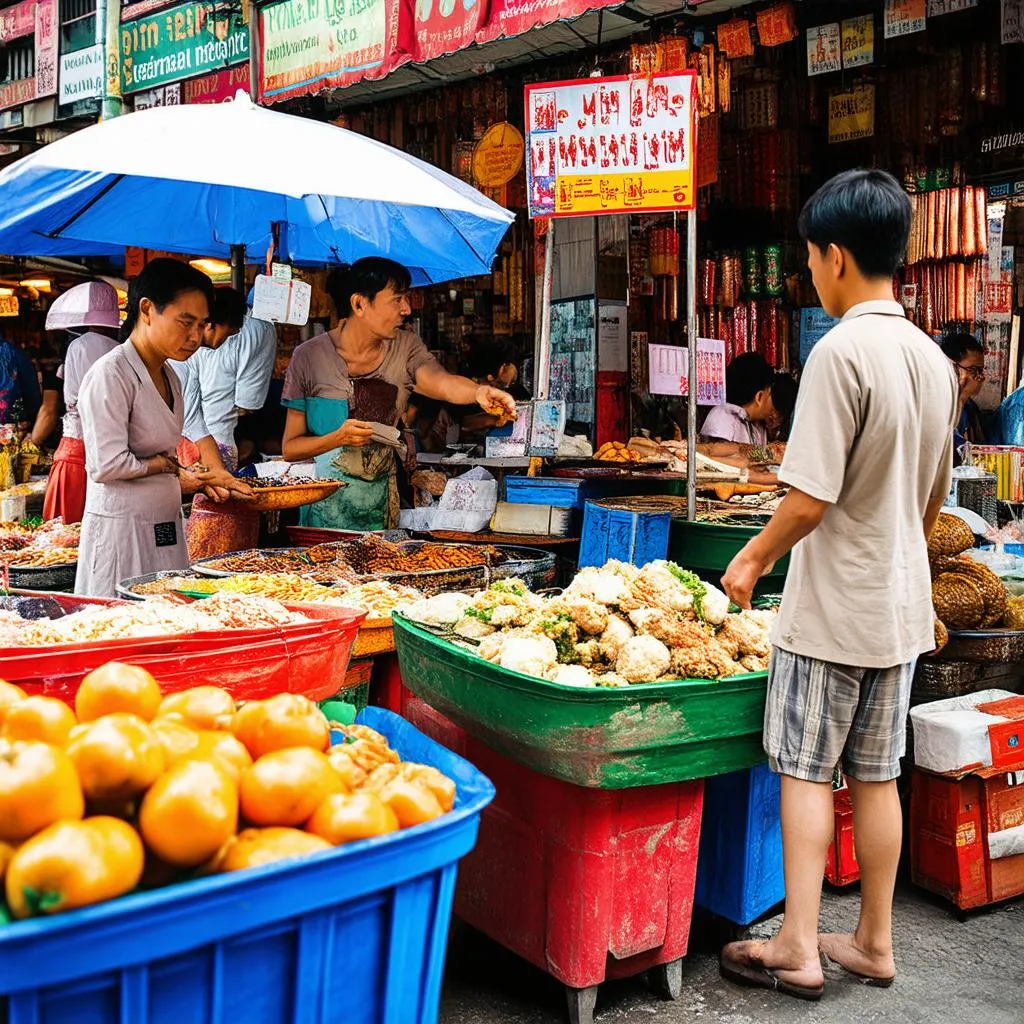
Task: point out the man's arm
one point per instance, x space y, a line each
434 382
47 417
797 516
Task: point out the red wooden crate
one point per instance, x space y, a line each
950 822
388 689
841 867
586 884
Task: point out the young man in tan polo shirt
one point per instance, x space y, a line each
868 465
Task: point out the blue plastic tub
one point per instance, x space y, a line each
560 492
355 934
637 537
739 868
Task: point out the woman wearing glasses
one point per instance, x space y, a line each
968 357
132 414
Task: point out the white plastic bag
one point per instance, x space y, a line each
468 502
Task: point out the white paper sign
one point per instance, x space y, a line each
612 350
281 302
938 7
1011 21
669 371
824 49
81 75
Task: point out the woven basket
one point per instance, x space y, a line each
935 679
984 645
52 577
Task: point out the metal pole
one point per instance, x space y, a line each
691 342
542 355
238 267
108 31
254 51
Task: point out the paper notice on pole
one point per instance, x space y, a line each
281 301
669 371
612 348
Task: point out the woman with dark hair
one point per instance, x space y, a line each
967 355
748 405
345 390
132 414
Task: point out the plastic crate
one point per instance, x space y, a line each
559 492
610 532
708 548
356 934
739 872
841 867
585 884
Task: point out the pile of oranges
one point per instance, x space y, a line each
133 789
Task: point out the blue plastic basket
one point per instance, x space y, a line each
609 532
355 934
739 869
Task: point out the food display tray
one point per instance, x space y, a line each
272 499
603 738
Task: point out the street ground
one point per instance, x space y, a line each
950 971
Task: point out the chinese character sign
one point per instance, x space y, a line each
669 371
611 145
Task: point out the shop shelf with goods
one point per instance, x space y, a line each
586 884
363 927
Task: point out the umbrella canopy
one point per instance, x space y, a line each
201 178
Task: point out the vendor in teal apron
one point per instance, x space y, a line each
341 383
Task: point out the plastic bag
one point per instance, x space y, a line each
1011 418
468 502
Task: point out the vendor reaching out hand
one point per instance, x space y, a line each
361 373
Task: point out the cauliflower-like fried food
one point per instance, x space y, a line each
643 659
472 628
590 616
617 632
562 630
588 653
751 663
703 661
658 588
491 646
669 628
747 635
606 588
571 675
530 655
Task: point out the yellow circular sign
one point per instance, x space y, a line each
498 155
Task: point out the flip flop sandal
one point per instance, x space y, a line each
754 974
864 979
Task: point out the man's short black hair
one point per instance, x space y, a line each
866 213
745 376
366 277
957 344
784 392
228 308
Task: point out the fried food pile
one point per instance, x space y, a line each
613 626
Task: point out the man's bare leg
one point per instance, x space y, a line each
878 833
807 827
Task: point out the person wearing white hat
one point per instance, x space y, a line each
89 313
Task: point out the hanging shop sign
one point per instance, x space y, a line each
220 87
1011 21
851 114
445 26
734 38
904 17
45 26
612 145
163 96
81 75
936 8
507 18
498 156
824 49
182 42
310 45
777 25
858 41
668 371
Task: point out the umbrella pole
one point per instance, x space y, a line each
542 356
238 267
691 370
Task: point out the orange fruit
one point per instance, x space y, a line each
117 687
413 804
6 853
74 864
225 750
38 786
351 775
287 720
117 757
9 695
437 782
254 847
45 719
189 813
202 707
175 737
346 817
285 787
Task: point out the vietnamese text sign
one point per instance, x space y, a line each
444 26
824 49
611 145
508 18
858 41
904 17
937 7
179 43
81 75
851 115
309 45
1011 19
220 87
18 21
669 371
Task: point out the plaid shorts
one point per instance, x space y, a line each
819 715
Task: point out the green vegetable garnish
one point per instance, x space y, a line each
483 614
508 587
694 584
562 630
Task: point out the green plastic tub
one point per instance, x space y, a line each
613 738
708 548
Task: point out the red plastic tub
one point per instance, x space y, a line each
586 884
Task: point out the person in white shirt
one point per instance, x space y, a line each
869 465
748 409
